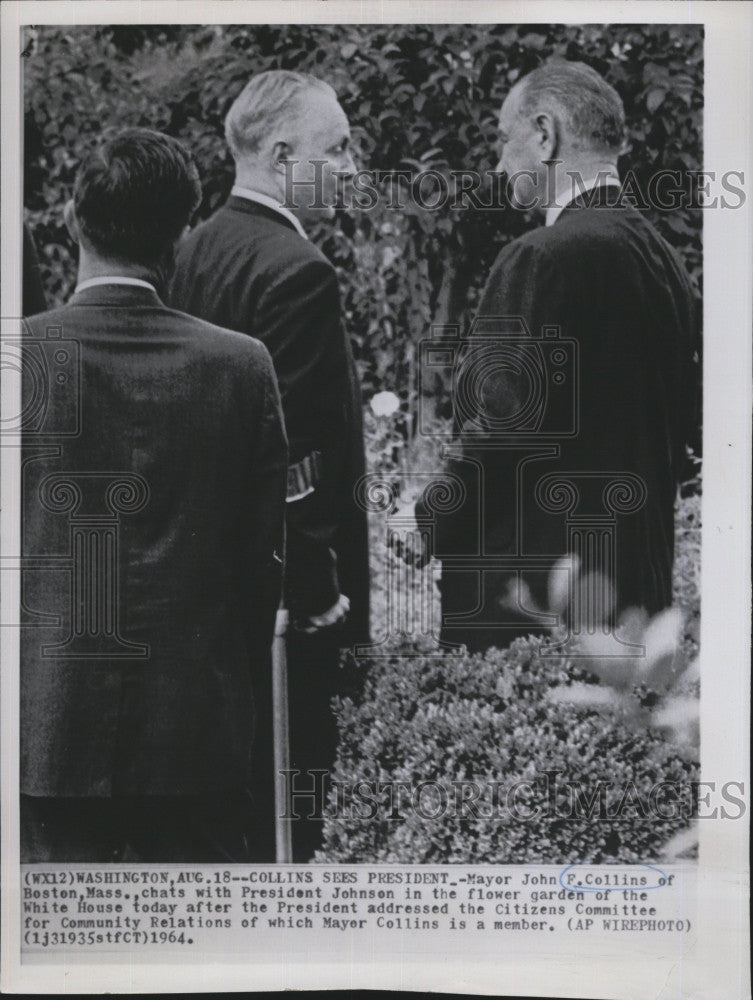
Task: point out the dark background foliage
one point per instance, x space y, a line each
419 98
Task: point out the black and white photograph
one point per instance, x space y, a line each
377 418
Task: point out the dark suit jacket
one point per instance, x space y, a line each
614 287
153 490
247 269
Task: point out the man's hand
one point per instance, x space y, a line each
336 615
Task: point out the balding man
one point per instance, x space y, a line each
252 268
598 391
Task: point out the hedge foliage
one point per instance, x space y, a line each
419 97
422 717
447 719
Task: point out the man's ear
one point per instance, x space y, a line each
548 135
280 155
71 222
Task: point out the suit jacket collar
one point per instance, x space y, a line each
116 295
600 196
255 208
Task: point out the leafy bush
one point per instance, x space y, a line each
487 719
423 717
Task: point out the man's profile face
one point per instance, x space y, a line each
520 153
322 134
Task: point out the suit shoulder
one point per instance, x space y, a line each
276 238
290 269
39 323
268 255
581 236
618 237
531 250
221 341
284 245
577 227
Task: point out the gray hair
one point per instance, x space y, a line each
590 107
267 100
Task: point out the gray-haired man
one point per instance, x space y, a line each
252 268
582 416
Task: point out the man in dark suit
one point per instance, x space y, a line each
153 499
252 268
574 426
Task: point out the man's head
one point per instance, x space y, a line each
133 198
278 128
561 111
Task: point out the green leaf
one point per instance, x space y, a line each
655 99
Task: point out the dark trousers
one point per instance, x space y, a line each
460 594
314 678
211 829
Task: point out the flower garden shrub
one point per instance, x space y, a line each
445 719
450 719
427 718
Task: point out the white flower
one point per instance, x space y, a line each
384 404
389 256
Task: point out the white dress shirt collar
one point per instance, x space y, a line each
115 279
573 188
264 199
